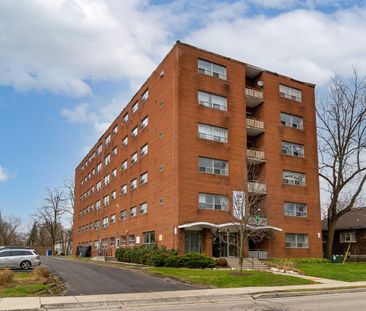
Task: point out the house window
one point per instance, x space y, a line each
114 172
134 158
296 240
144 150
108 140
96 244
125 118
131 239
145 96
133 212
213 201
123 241
135 106
211 132
347 237
212 101
114 151
144 178
106 180
124 165
113 195
295 209
213 166
134 132
292 149
124 189
115 130
104 244
292 121
100 149
293 178
123 215
133 184
106 201
99 167
113 218
148 238
290 93
97 205
99 185
143 208
105 222
124 141
107 160
96 225
144 122
211 69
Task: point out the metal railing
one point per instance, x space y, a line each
252 122
254 93
257 187
258 254
255 154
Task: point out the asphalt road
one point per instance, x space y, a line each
91 279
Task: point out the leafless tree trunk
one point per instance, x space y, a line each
69 185
342 142
9 227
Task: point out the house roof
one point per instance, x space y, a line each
355 219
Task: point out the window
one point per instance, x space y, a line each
292 149
212 101
113 218
114 172
125 118
99 167
107 160
124 165
134 158
211 69
293 178
213 201
124 189
114 151
291 121
113 195
347 237
115 130
104 243
134 132
96 244
133 184
144 178
106 201
135 106
124 141
123 241
144 122
123 215
131 239
99 185
100 149
212 166
290 93
108 139
149 238
296 240
112 242
133 212
96 225
144 150
143 208
210 132
145 96
106 180
97 205
91 226
105 222
295 209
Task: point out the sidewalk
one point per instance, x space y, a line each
171 297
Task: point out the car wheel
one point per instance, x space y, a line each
25 265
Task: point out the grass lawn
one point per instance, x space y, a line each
23 290
349 272
229 278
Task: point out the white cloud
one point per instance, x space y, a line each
4 174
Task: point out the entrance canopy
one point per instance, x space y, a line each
226 226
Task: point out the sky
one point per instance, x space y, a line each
68 67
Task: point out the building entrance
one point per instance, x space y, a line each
225 244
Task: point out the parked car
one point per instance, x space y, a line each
16 258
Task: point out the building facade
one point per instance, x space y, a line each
166 169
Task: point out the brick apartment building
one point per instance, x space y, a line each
165 170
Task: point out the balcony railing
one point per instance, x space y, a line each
257 220
254 126
253 97
257 187
255 156
258 254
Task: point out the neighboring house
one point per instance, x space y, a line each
350 230
165 170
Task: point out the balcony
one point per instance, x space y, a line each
253 97
255 156
257 187
258 221
254 126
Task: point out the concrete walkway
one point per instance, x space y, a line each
167 297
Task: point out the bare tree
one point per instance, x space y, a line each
69 186
342 146
9 230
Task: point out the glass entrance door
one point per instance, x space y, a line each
225 244
193 242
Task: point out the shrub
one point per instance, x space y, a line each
6 277
221 262
41 273
196 260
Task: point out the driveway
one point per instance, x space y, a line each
84 278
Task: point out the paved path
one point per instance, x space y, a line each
91 279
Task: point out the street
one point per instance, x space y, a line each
91 279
